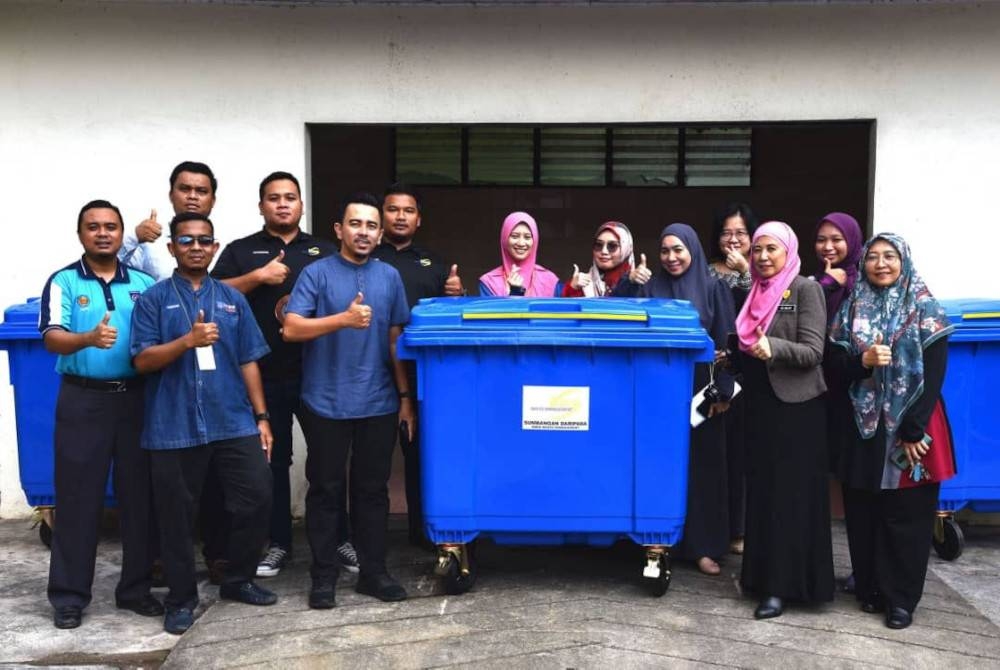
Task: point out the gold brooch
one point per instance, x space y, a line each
787 294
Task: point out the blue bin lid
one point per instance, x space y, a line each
609 322
975 319
20 322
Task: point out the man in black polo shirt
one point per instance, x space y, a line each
264 267
424 275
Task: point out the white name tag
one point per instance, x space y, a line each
205 357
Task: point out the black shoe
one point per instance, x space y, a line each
144 606
898 618
217 570
248 593
322 595
381 586
67 616
177 621
769 608
873 604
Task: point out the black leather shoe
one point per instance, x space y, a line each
898 618
248 593
322 595
381 586
144 606
68 616
177 621
873 604
769 608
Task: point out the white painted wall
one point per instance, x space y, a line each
102 100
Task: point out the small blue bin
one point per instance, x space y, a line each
554 421
970 399
36 385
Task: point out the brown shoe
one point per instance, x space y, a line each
708 566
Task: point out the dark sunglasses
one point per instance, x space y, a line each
188 240
612 246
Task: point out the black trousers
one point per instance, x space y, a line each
411 471
93 430
369 442
889 535
178 477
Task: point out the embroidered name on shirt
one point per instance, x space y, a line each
225 307
262 251
786 308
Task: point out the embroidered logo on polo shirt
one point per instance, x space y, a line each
134 295
226 307
425 262
83 301
313 251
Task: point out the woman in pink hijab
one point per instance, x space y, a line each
519 275
782 331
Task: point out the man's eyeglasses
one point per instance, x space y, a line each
188 240
738 234
611 246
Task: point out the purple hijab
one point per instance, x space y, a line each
835 293
694 285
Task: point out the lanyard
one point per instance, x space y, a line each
211 297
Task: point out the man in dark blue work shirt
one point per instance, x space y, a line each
197 340
349 310
263 267
85 317
424 275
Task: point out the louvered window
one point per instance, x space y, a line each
502 155
573 156
717 157
429 154
644 156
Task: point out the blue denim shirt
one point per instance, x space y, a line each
187 406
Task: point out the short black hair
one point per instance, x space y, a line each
197 168
361 198
399 188
278 176
740 209
97 204
184 217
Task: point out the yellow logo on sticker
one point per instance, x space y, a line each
313 251
787 294
83 301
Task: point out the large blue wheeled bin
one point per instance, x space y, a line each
554 421
970 399
36 385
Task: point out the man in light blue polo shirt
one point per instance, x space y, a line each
349 310
85 317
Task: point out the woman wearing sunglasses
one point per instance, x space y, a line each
519 275
612 262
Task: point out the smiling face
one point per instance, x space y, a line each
520 242
100 233
883 264
607 251
769 256
735 236
830 244
281 206
674 256
359 232
193 245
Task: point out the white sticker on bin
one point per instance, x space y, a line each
555 408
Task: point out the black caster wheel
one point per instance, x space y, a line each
657 586
45 533
949 542
455 583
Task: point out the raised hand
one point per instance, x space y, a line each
358 316
149 230
453 284
878 355
104 336
640 274
514 279
203 334
736 262
762 349
839 275
580 280
275 272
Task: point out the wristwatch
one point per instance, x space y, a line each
262 416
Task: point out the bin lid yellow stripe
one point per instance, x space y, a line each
980 315
563 316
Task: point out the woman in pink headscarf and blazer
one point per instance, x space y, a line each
782 332
519 275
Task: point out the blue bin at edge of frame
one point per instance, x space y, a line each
36 386
554 421
973 369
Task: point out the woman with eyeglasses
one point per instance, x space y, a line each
612 262
781 328
518 274
683 275
889 346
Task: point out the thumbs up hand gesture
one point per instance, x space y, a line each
358 316
104 336
579 280
275 272
878 355
149 230
640 274
839 275
736 262
203 334
762 349
453 284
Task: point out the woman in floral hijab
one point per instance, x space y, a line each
889 350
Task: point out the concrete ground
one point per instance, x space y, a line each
532 607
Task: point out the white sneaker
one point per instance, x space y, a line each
273 561
348 558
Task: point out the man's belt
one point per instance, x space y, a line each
104 385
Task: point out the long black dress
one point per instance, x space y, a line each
787 551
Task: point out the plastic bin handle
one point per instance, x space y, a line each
562 316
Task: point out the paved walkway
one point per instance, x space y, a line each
538 608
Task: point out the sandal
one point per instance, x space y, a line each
708 566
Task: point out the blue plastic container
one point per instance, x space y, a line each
36 385
554 421
970 398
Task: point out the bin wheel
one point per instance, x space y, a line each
455 583
949 542
657 586
45 534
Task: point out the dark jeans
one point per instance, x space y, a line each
94 429
178 476
369 442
